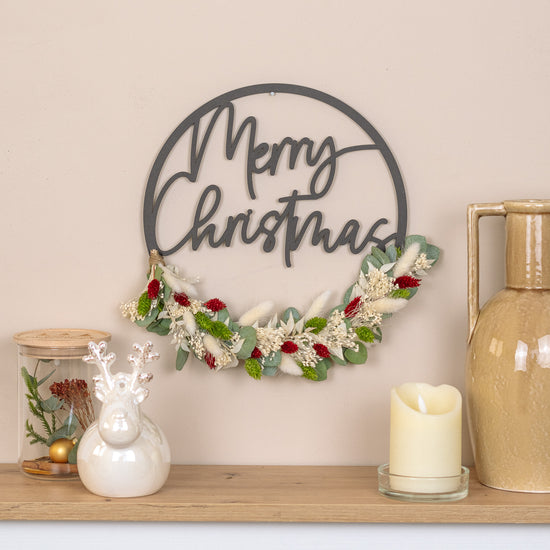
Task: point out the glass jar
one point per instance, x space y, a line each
56 402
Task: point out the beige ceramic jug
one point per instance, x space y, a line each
508 364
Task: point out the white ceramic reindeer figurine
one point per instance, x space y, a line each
123 453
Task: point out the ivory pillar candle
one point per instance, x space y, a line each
425 436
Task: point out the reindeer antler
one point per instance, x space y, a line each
104 362
145 355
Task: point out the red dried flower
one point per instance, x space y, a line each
406 281
182 299
352 309
256 353
210 360
322 350
153 289
289 347
215 305
64 390
76 398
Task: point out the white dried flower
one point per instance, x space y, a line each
196 305
253 315
422 264
269 340
306 354
378 284
179 336
289 366
129 310
366 316
176 282
196 343
189 322
171 310
318 305
336 334
211 344
389 305
406 263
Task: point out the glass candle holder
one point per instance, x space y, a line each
423 489
56 402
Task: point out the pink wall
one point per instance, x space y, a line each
90 92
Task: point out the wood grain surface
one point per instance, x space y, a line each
328 494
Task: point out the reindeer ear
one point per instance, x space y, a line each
99 389
141 394
100 394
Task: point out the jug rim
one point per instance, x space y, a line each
527 206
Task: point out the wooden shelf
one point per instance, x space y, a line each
261 494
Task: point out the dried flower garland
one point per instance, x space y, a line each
301 345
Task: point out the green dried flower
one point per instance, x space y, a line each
144 305
203 321
253 368
365 334
318 324
400 293
220 330
309 372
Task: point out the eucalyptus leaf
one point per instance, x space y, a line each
272 360
412 292
248 334
150 318
51 404
166 290
40 382
347 295
432 253
380 256
71 422
357 357
340 307
269 371
181 358
66 431
391 253
321 370
337 360
370 259
417 239
73 453
160 328
222 315
291 311
327 363
233 326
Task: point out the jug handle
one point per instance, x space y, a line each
475 211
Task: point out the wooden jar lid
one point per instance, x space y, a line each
58 343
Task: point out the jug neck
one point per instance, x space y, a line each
528 244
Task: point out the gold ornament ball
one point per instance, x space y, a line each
60 449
